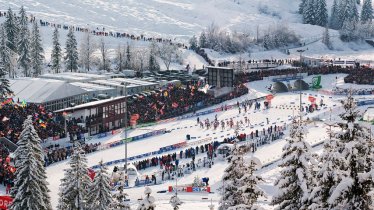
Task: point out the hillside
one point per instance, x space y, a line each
179 20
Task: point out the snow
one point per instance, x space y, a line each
267 154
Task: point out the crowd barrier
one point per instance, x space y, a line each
131 139
189 189
162 150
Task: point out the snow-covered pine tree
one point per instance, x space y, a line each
302 6
367 12
104 56
56 52
36 51
295 181
71 52
5 64
309 12
76 182
128 61
328 173
249 189
99 195
148 202
193 43
175 202
352 192
326 38
120 59
334 17
341 13
153 64
23 44
119 202
86 50
203 42
4 83
30 189
348 31
321 16
351 12
11 28
231 180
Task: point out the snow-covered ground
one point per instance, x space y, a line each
178 21
268 153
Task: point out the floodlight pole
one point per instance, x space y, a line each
126 128
301 108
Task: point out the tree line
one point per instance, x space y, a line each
21 48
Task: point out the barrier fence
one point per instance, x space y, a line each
162 150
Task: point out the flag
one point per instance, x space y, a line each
91 173
23 104
174 105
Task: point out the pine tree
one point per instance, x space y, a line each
128 57
99 196
328 174
295 181
231 196
341 13
175 202
193 43
71 52
23 45
348 31
87 48
76 182
321 16
56 52
104 56
302 6
153 64
147 203
352 192
120 59
326 38
351 12
203 43
5 90
5 61
30 189
367 12
249 189
119 202
11 28
334 18
36 51
309 12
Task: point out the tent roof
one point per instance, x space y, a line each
37 90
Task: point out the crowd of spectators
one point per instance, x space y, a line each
360 76
174 102
12 116
55 153
364 91
6 170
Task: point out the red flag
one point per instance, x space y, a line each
91 173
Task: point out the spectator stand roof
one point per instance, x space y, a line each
90 104
38 90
